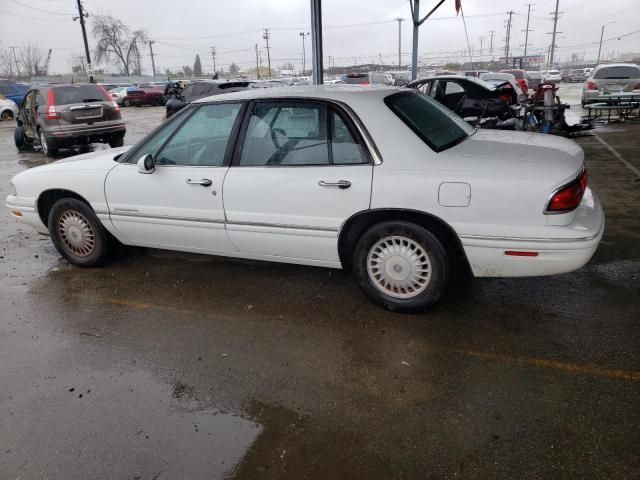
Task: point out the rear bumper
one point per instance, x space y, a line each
564 250
73 134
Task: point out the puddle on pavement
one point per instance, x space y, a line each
118 425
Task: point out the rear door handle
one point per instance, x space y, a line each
341 184
205 182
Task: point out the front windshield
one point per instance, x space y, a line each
436 125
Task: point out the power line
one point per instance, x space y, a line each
31 18
41 9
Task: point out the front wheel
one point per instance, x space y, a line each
77 233
126 102
401 266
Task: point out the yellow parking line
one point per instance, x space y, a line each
544 363
518 360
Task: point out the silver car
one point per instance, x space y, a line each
611 78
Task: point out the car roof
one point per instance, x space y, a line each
329 92
617 65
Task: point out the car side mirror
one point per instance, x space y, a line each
146 164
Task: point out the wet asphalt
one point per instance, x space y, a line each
167 365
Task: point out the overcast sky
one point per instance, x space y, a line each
355 30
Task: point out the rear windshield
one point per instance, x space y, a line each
78 94
519 74
618 72
437 126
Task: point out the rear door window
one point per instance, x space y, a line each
78 94
619 73
7 89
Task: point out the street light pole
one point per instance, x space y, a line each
304 36
601 35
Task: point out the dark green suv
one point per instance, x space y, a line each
67 115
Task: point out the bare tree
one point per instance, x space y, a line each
7 64
117 44
76 63
31 59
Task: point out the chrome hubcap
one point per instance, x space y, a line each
399 267
76 233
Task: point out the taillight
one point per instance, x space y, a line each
569 197
637 87
592 86
52 114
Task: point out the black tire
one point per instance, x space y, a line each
48 147
116 142
417 240
20 141
6 115
126 102
77 233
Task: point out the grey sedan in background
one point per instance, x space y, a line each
612 78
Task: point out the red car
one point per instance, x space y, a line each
521 78
141 96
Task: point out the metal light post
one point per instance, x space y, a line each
601 35
304 36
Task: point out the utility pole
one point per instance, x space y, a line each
153 62
481 42
554 33
526 35
213 57
266 37
601 35
138 59
508 36
399 20
304 36
492 34
81 16
15 59
257 63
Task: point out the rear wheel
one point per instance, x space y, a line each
115 142
20 140
77 233
6 115
47 148
126 102
401 266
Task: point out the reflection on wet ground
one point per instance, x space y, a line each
200 367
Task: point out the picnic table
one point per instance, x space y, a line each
623 103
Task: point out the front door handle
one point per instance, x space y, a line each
205 182
341 184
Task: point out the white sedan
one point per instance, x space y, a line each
8 109
382 181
